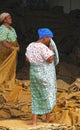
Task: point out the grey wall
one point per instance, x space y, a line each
67 4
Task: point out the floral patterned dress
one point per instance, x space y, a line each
42 78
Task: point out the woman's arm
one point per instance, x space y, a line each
18 46
27 59
6 44
47 53
51 47
50 59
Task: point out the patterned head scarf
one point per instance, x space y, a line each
43 32
3 16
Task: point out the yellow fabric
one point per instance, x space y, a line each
7 66
8 72
5 52
13 96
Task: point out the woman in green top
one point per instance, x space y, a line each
8 37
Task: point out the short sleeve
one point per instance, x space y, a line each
14 33
46 52
3 34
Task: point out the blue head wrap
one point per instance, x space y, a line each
44 32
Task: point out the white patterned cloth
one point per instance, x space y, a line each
42 77
38 52
56 54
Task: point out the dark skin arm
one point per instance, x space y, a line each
51 48
50 59
6 44
27 59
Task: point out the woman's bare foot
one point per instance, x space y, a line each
34 120
32 124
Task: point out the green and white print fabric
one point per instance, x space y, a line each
43 87
7 34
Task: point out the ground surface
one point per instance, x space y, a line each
65 72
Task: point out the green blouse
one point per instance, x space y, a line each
7 34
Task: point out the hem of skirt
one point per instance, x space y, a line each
40 113
45 112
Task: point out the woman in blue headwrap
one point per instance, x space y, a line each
43 56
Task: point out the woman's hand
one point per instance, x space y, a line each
12 48
27 59
17 48
50 47
50 59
